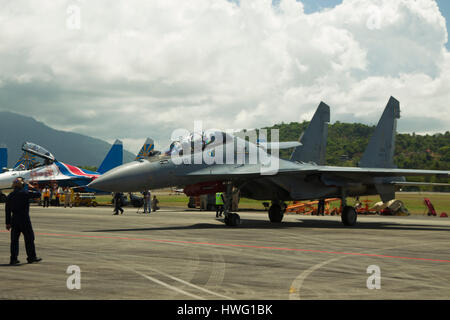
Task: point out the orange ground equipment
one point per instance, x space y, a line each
311 207
364 209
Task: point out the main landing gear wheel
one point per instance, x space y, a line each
276 213
349 216
232 220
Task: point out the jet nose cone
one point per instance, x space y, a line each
125 178
103 183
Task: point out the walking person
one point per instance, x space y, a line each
219 204
118 203
17 211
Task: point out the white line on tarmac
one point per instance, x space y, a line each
169 286
294 293
191 285
179 280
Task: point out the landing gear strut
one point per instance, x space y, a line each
276 212
231 219
348 215
321 207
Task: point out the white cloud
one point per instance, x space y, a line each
143 68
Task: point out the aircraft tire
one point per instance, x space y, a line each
349 216
275 213
232 220
235 220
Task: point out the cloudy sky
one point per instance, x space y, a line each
132 69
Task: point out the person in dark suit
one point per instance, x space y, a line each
118 199
18 204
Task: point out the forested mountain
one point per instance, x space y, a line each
73 148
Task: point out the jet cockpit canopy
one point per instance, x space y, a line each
38 151
207 139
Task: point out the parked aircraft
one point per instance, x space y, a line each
56 172
303 177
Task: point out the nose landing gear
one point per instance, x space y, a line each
276 212
349 214
231 219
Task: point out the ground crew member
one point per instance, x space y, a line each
18 203
59 192
219 204
147 201
66 197
72 197
46 193
321 207
155 204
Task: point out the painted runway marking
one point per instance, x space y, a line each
191 284
238 246
168 286
295 288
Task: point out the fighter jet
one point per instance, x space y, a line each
302 177
53 171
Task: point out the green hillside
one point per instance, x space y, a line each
73 148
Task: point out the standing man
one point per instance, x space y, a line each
147 201
59 192
72 196
46 193
18 203
66 197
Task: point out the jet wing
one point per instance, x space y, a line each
425 184
381 172
289 168
279 145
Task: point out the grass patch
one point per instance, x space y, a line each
414 202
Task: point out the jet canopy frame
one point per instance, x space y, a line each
39 151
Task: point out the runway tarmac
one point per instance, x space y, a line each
187 254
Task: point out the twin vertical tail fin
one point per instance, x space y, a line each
314 138
380 150
113 159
